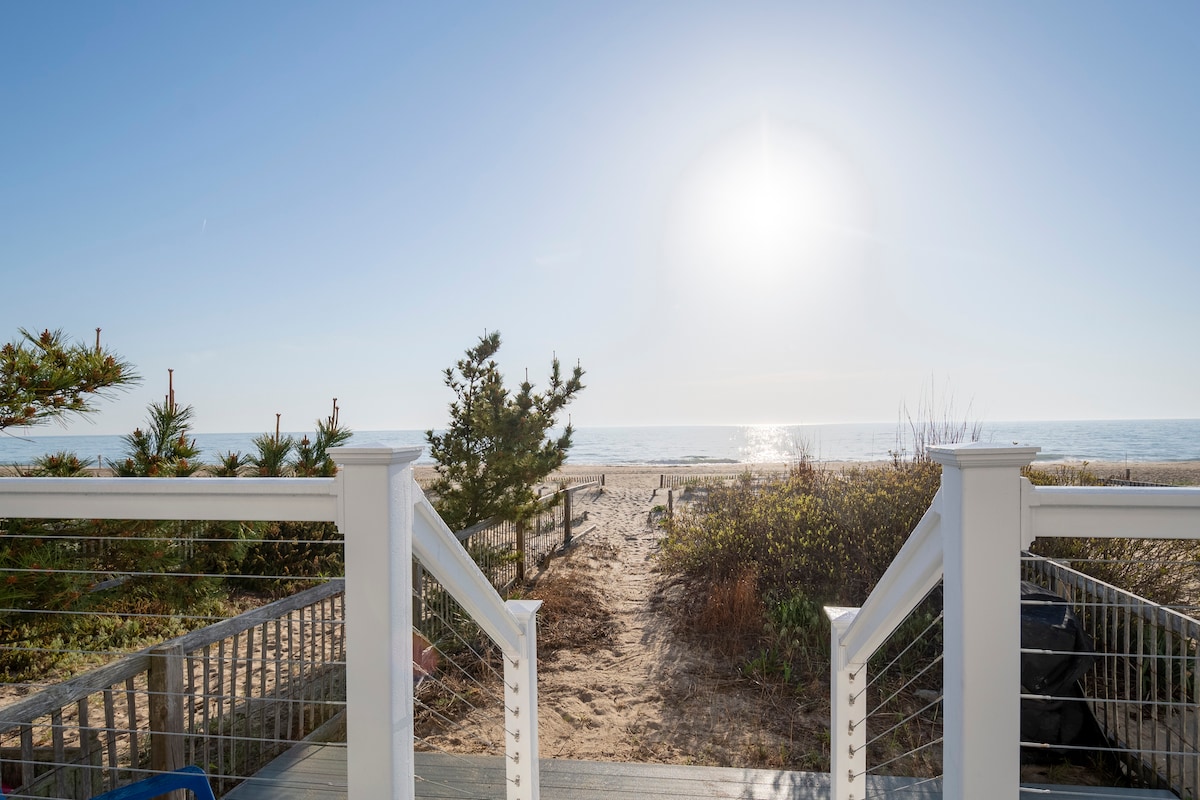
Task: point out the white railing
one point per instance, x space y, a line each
385 521
511 626
972 537
858 632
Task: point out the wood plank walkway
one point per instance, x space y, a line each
318 772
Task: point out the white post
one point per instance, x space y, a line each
520 706
375 515
981 546
848 717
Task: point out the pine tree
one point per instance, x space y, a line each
273 452
166 449
497 447
160 571
293 553
163 449
63 464
44 377
229 465
312 457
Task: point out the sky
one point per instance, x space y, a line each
728 213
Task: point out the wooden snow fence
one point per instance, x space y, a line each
229 698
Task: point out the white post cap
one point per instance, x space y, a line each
983 454
374 454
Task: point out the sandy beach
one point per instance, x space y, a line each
1179 473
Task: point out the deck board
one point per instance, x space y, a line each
318 772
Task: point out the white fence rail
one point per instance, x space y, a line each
972 537
386 521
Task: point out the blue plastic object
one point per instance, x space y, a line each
192 778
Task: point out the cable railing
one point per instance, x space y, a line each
1139 662
901 703
509 626
281 678
458 696
95 568
858 634
228 697
972 537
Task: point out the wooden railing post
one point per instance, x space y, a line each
376 493
566 517
520 545
165 686
521 707
981 557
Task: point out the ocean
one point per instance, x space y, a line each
1103 440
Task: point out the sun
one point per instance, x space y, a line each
767 200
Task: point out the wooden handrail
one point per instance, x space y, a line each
63 694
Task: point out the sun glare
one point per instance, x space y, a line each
769 199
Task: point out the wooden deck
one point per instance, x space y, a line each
318 772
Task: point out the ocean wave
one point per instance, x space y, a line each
684 461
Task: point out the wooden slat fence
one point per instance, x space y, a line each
1142 686
567 481
702 481
1127 482
680 481
228 697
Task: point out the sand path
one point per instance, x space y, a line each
594 703
645 694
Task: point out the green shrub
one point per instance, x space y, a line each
1062 475
762 558
63 464
796 635
827 535
291 556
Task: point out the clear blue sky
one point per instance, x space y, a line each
728 212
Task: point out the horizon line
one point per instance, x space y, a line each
42 433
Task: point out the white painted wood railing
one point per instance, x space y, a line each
972 536
385 521
511 625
